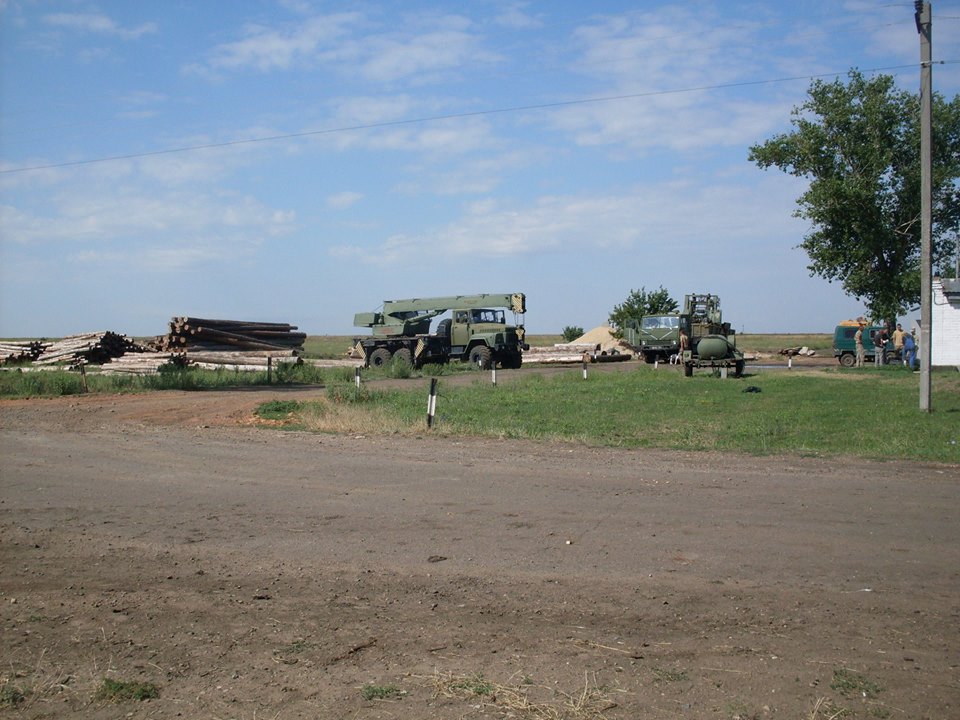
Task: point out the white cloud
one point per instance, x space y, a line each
416 52
657 220
98 24
420 56
138 222
343 200
266 48
516 18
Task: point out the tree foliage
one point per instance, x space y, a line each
640 303
858 143
572 332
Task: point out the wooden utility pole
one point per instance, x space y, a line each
923 18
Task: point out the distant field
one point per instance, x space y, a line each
774 342
333 346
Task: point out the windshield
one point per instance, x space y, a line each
487 316
661 322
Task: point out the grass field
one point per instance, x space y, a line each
828 412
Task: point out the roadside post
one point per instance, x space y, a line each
269 369
432 402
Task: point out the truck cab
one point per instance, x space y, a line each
483 337
845 345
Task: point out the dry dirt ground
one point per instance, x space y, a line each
250 573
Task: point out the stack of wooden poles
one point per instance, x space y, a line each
25 351
93 348
237 344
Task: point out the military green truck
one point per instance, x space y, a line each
845 344
476 331
712 342
654 337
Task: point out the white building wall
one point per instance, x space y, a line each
945 326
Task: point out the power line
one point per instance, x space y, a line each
429 119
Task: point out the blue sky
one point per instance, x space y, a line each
298 161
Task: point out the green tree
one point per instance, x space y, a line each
640 303
858 143
572 332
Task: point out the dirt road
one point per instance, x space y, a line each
249 573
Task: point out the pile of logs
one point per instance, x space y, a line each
567 353
191 334
21 352
95 348
145 363
232 344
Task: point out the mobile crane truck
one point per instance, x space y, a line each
476 331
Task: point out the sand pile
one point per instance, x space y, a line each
603 337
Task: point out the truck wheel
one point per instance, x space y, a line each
511 361
738 368
688 369
403 355
649 358
379 357
480 356
847 360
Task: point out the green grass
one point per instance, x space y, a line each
46 383
846 682
328 346
775 342
11 696
474 685
379 692
119 691
831 412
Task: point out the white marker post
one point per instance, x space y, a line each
432 402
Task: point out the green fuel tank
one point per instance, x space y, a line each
714 347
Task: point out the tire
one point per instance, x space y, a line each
688 369
379 358
848 360
738 368
649 358
403 355
512 362
480 356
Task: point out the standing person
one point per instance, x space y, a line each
684 345
898 337
909 350
879 341
858 340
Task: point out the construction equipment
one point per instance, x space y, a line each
711 342
476 331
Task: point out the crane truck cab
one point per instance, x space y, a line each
477 331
